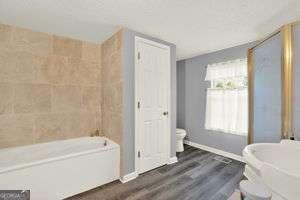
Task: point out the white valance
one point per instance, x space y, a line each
229 69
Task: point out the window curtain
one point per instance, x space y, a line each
223 70
227 109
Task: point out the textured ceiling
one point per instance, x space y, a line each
195 26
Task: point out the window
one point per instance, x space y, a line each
227 98
230 83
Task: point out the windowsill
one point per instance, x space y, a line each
241 88
226 132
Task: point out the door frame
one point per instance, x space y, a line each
137 99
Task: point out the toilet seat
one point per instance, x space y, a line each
254 192
180 131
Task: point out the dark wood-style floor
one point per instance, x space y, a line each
198 175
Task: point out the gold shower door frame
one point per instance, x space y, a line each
287 79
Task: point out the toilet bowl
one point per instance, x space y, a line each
180 134
251 191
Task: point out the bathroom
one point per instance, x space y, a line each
99 101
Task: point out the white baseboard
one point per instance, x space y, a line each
133 175
129 177
214 150
172 160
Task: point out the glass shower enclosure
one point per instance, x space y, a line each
273 66
296 64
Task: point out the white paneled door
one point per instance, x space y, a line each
152 94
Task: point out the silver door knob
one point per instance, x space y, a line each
165 113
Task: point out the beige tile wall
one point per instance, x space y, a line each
112 88
50 87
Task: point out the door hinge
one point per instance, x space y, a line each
139 105
139 154
139 55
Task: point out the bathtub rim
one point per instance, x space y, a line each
112 145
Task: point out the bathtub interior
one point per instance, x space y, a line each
282 157
26 155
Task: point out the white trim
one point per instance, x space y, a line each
129 177
137 98
214 150
173 160
151 42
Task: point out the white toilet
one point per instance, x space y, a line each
180 134
253 191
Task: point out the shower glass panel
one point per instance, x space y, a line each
297 81
267 90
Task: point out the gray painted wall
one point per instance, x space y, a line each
128 98
191 100
180 94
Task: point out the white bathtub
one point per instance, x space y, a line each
275 167
59 169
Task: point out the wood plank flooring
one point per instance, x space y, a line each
198 175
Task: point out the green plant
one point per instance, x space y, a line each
230 85
220 85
